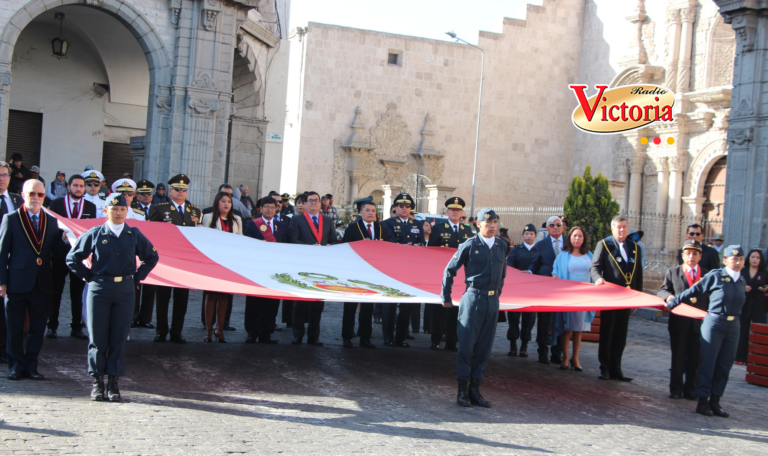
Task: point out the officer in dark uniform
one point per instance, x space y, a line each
145 294
286 211
112 278
449 234
179 212
720 328
520 257
401 230
485 269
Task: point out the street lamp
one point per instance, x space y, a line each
479 112
60 45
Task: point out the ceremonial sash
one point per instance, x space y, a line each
318 232
688 277
265 231
29 229
79 214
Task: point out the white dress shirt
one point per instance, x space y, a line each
490 241
8 201
116 229
734 275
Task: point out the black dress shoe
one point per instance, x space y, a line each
523 350
543 360
52 334
434 347
402 344
134 324
229 328
267 340
620 377
296 341
452 348
691 396
512 349
348 344
603 375
410 337
178 339
145 325
34 375
159 338
714 405
316 343
676 395
251 339
389 343
702 408
365 343
78 334
14 375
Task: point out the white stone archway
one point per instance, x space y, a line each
697 175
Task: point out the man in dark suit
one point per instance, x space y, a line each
179 212
616 260
710 258
448 234
520 257
145 294
684 332
404 230
29 241
365 228
313 228
260 313
9 202
72 206
548 249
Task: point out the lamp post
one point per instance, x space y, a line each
479 113
59 45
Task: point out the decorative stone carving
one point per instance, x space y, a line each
204 81
164 104
203 106
673 16
5 81
429 159
636 164
620 166
209 19
739 136
660 164
722 48
688 14
357 137
636 52
390 137
339 181
745 25
743 110
175 12
677 163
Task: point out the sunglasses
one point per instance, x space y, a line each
92 184
404 206
695 234
182 190
552 225
37 194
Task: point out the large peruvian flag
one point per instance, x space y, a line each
207 259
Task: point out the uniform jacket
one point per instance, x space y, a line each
237 228
710 258
521 258
604 266
299 231
443 235
726 297
674 284
59 207
18 260
545 259
111 255
279 230
404 233
484 268
356 231
166 212
17 202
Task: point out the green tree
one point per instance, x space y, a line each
590 205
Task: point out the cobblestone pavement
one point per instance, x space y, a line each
256 399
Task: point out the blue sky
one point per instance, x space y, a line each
423 18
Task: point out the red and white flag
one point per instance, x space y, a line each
365 271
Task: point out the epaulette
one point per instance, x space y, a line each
138 211
104 197
166 203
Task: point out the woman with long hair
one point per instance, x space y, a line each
754 307
573 263
222 218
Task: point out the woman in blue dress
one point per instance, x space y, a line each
573 263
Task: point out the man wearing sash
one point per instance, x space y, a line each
260 313
71 206
29 241
616 260
313 228
93 180
365 228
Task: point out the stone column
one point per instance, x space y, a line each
673 21
662 181
624 177
636 166
687 16
5 82
432 198
674 227
387 200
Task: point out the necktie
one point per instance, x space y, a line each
269 225
76 209
370 232
692 273
314 220
3 205
36 224
557 247
623 252
456 229
146 210
181 211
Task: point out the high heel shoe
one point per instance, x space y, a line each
208 338
564 368
573 366
220 338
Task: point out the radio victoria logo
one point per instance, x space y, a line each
622 108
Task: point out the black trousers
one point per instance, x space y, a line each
260 316
427 326
613 338
37 304
517 331
394 323
365 320
307 312
180 300
685 357
76 285
415 317
288 312
543 328
444 321
144 304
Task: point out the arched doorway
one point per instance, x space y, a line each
714 194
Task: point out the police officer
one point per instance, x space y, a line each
401 229
113 248
145 294
720 328
520 257
93 180
128 188
485 269
449 234
286 211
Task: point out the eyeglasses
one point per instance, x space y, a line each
404 206
90 184
37 194
182 190
552 225
5 176
268 208
695 234
313 200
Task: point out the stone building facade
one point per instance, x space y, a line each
184 82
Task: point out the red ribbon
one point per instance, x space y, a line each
224 225
318 232
29 228
266 233
688 276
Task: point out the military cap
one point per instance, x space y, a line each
144 186
285 197
733 250
117 199
359 202
692 244
88 168
530 227
124 185
404 198
719 237
413 212
128 175
179 181
93 175
455 202
486 214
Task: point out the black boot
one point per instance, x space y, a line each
462 399
523 349
113 392
474 394
512 348
714 404
97 391
703 407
